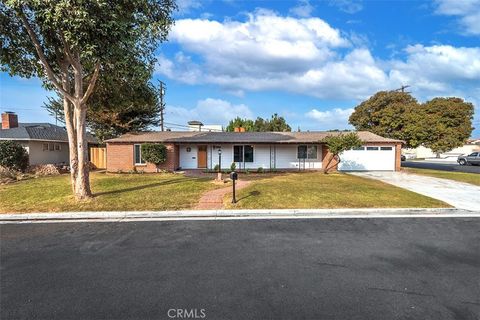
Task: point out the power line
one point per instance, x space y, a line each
183 126
402 88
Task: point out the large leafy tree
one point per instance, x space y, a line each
389 114
448 122
68 44
119 104
275 123
441 124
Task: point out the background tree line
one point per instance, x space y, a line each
440 124
275 123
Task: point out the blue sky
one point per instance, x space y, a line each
310 61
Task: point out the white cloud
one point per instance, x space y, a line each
348 6
304 9
308 56
181 68
336 118
438 69
264 39
468 12
209 111
185 6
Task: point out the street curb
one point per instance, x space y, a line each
213 214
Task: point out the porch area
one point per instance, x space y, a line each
251 156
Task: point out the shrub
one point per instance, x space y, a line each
260 170
216 168
155 153
44 170
233 166
13 156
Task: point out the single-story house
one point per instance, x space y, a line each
250 150
472 145
45 143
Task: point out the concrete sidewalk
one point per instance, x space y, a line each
458 194
234 214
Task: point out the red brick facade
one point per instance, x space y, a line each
329 164
120 159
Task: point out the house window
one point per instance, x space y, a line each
372 148
51 147
243 153
248 153
57 147
359 148
45 147
137 154
385 148
307 152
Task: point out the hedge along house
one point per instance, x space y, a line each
251 150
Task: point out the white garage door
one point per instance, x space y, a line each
379 158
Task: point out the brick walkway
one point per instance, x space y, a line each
214 199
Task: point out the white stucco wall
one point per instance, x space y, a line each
37 155
286 157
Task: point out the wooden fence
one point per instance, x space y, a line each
98 156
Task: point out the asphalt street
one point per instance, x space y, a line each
415 268
441 166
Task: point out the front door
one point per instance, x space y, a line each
202 157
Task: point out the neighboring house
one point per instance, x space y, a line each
470 146
45 143
250 150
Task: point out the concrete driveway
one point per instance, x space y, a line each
458 194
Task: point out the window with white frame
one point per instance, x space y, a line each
243 153
45 147
137 154
306 152
57 147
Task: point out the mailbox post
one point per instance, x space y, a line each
219 172
234 177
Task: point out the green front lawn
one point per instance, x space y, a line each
473 178
317 190
112 192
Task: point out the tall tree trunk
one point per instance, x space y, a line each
69 124
82 185
82 188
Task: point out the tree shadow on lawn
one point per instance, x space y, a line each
146 186
250 194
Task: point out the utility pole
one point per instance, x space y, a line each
402 88
162 104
